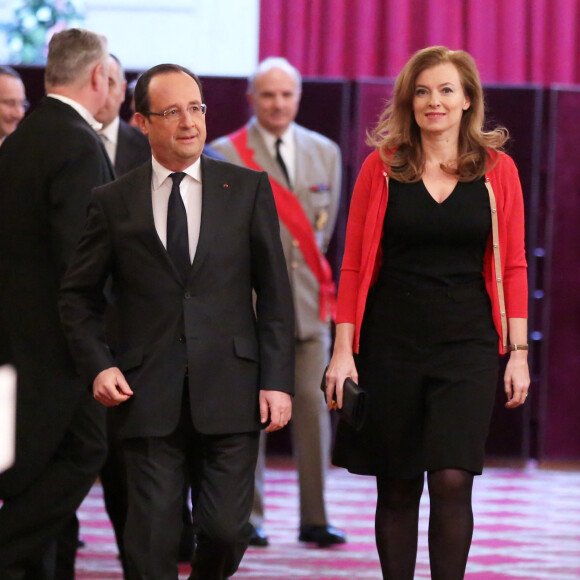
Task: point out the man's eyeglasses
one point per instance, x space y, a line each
15 104
175 113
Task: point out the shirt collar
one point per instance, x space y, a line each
270 138
160 173
111 131
82 111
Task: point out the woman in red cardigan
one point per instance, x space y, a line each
433 282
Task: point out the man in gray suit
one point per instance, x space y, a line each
305 172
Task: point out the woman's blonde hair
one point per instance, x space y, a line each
398 136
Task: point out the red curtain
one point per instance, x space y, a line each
512 41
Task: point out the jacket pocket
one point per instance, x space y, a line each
246 348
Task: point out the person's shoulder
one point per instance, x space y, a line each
226 168
316 138
220 142
65 125
223 147
49 115
211 152
501 162
134 179
374 161
217 164
56 130
53 110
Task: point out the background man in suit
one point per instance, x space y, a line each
13 103
308 167
127 146
196 370
48 167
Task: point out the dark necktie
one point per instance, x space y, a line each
177 238
281 162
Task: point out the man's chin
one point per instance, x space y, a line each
190 154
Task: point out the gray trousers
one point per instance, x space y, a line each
311 434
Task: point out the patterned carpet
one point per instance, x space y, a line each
527 526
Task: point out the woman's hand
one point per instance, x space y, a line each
517 375
517 379
341 366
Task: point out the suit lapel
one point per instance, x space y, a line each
110 167
137 198
212 208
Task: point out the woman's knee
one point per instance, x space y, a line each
401 493
450 483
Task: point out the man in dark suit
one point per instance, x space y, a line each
127 146
197 369
48 168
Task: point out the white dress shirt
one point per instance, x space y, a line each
109 135
287 148
190 192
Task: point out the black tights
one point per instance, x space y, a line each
450 524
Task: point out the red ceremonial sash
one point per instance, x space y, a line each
294 218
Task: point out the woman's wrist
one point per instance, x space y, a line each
519 355
342 350
518 346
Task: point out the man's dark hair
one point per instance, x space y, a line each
9 71
142 88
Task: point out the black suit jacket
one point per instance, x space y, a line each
132 149
207 324
48 168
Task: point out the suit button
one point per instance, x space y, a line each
181 339
187 295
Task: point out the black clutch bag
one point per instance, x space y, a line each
354 402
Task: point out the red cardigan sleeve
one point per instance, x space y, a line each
352 261
506 182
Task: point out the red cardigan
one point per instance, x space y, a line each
362 255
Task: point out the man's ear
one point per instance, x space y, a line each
142 123
99 76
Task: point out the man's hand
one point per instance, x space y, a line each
277 406
110 387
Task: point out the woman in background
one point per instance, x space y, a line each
433 280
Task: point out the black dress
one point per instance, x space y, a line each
428 347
